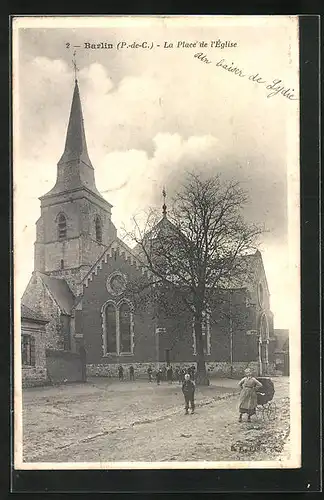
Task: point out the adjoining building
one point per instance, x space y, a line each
33 346
81 269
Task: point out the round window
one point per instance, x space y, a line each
116 283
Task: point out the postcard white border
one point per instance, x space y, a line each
293 238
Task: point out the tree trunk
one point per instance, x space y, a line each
202 378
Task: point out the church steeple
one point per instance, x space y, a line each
75 170
76 144
75 223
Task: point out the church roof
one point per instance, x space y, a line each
75 143
75 170
60 291
249 267
27 313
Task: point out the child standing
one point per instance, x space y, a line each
158 376
188 389
149 372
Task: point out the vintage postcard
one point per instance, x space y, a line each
156 242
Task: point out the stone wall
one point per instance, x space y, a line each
33 376
37 297
215 369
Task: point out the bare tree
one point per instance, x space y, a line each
198 247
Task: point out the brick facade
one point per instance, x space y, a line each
89 320
178 337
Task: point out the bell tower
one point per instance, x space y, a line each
75 224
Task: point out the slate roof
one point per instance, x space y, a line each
60 291
75 152
248 263
27 313
246 267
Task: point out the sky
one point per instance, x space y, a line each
151 114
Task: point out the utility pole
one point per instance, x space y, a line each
231 333
157 345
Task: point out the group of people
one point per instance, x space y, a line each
165 373
186 377
248 396
121 373
168 374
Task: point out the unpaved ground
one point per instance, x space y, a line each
105 420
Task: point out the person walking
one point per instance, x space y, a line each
120 373
169 374
131 373
248 395
149 372
188 389
159 376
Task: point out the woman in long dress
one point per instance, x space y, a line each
248 396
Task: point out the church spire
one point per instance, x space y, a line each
75 143
75 170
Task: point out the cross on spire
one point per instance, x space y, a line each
164 208
76 69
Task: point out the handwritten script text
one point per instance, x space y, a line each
274 87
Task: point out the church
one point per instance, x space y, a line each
75 306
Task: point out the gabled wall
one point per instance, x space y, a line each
38 298
89 321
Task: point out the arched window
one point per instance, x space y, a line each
110 329
62 227
62 264
98 229
118 330
125 334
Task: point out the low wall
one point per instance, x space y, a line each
214 369
33 376
64 366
